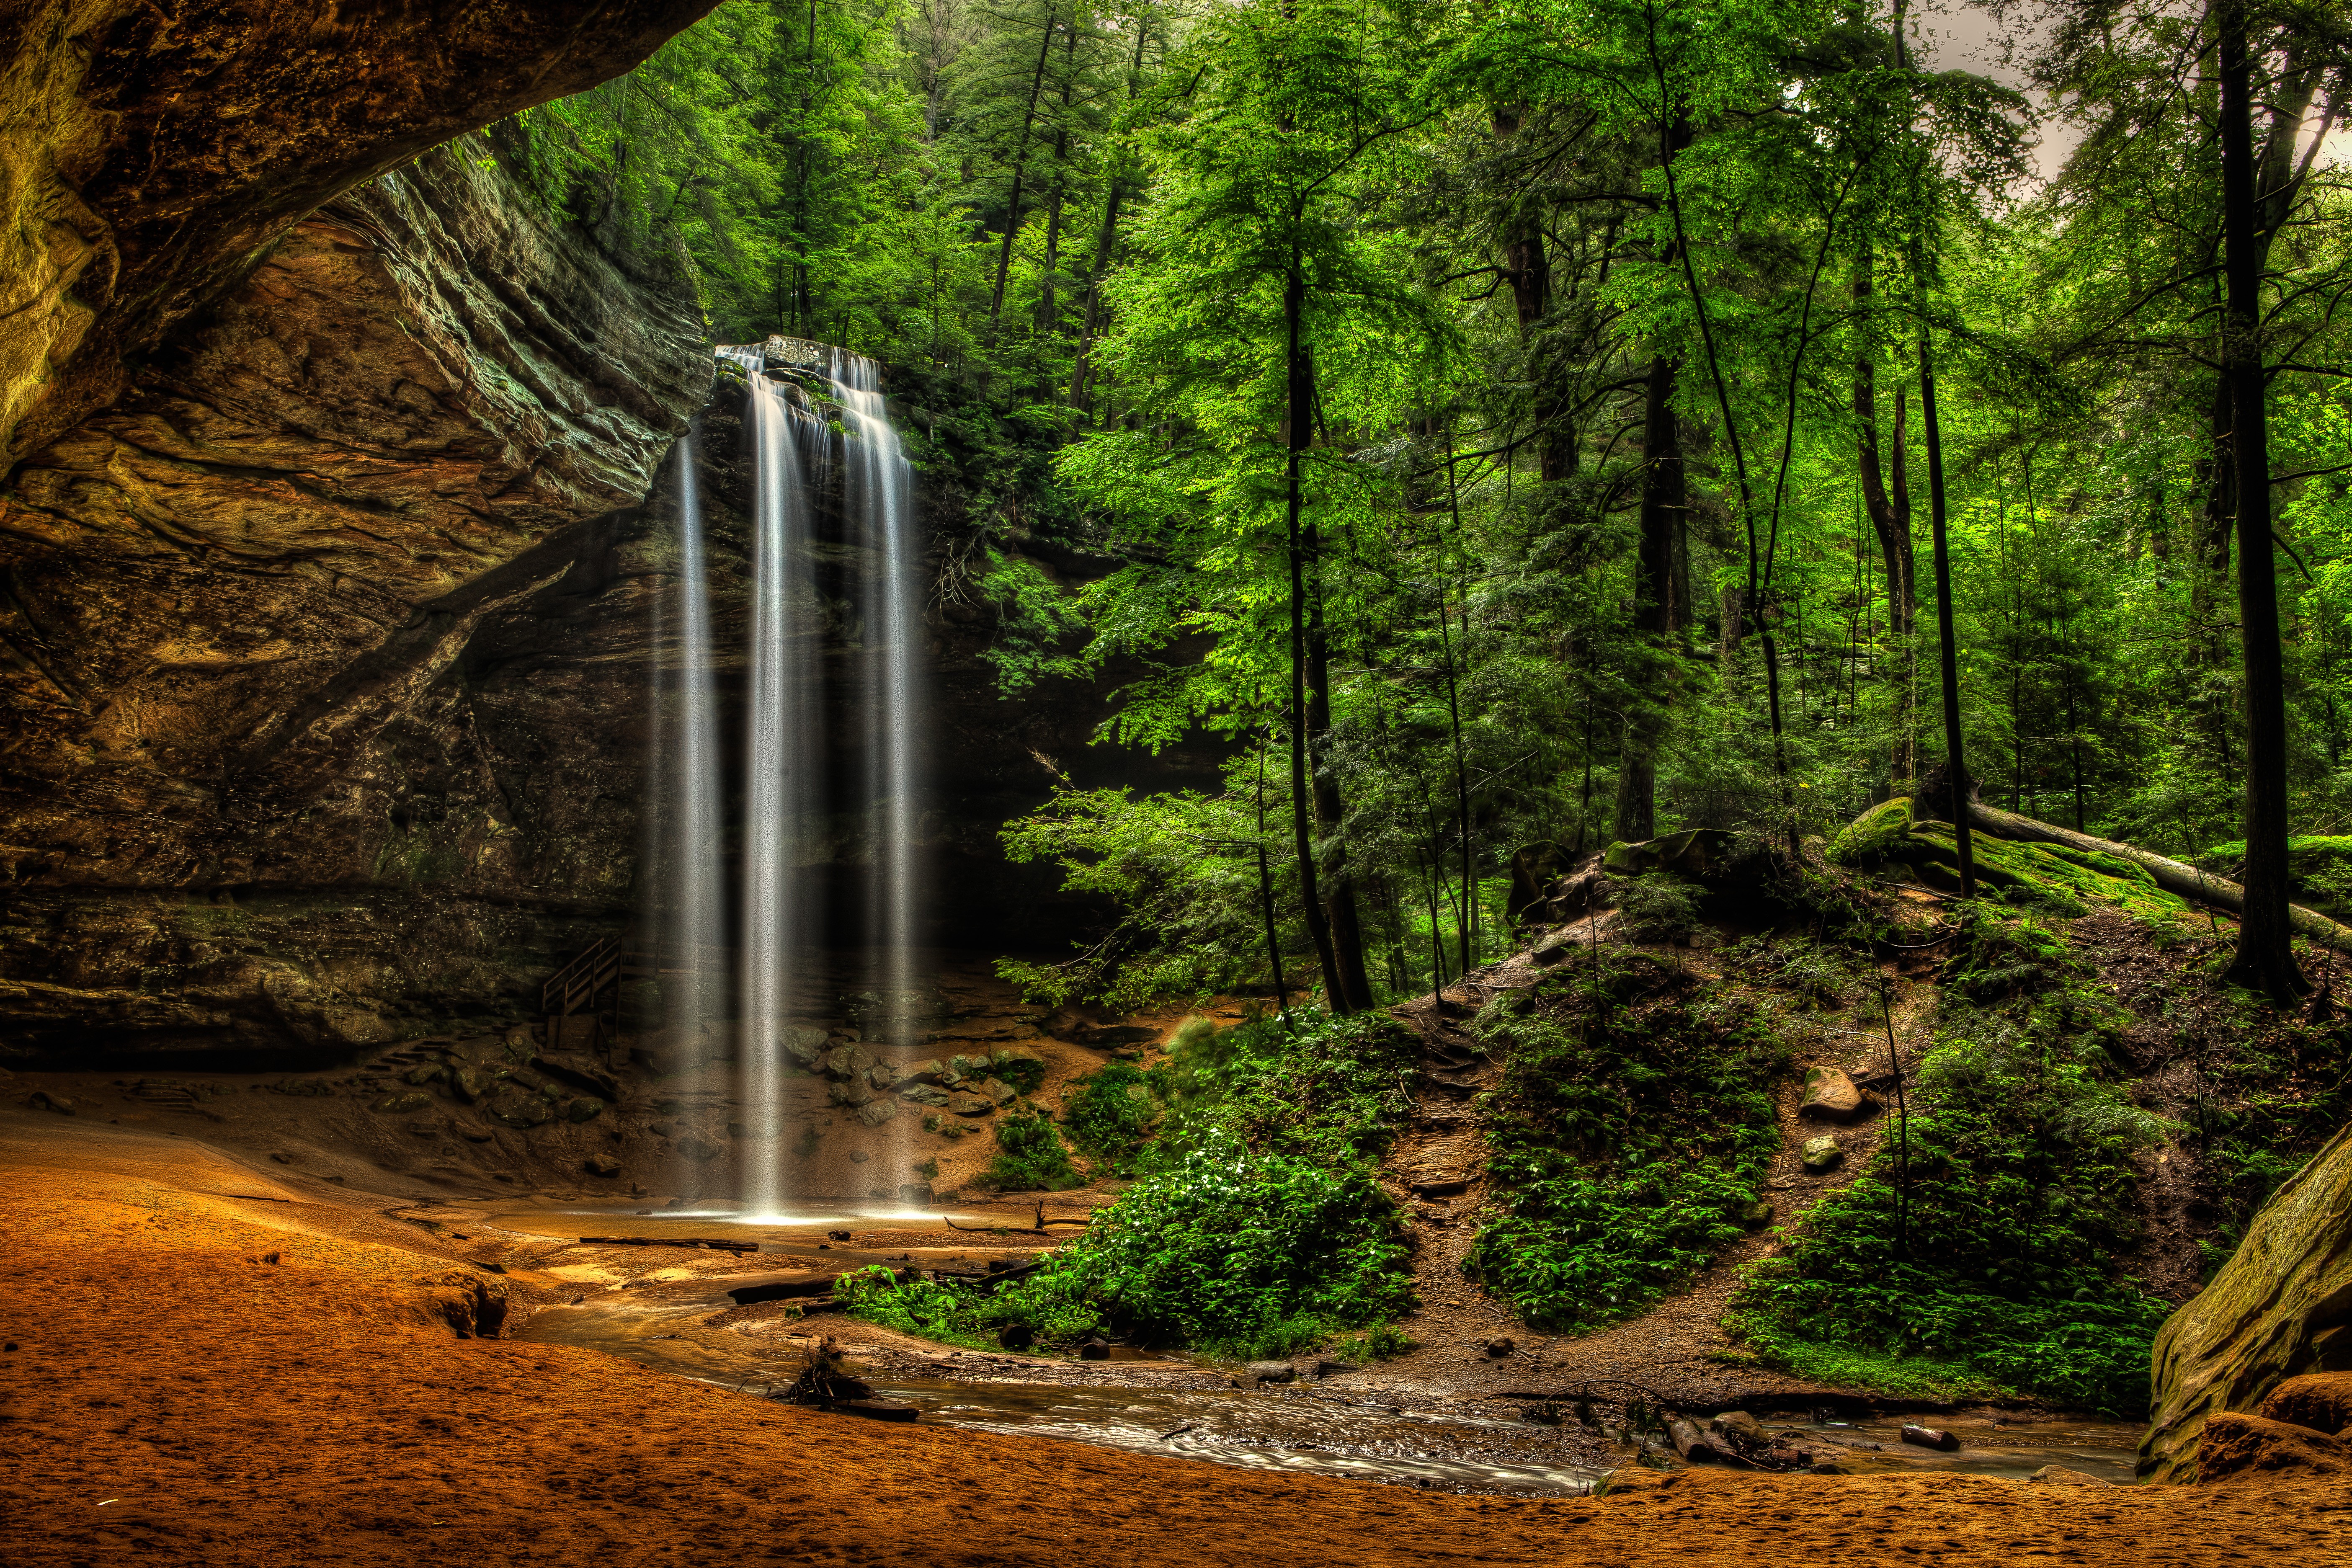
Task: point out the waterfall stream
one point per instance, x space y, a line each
794 452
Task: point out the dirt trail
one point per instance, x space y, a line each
173 1395
1671 1350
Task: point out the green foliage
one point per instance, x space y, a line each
1111 1114
1030 1156
2019 1193
1240 1252
1023 1071
1657 906
1633 1125
1381 1342
1331 1090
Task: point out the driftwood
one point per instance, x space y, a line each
2181 881
1042 1221
668 1241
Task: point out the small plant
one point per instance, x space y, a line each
1026 1073
1029 1157
1657 906
927 1169
1381 1342
1111 1114
805 1144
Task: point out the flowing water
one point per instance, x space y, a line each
689 926
797 456
781 780
1333 1428
1308 1431
879 492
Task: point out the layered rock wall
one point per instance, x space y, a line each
326 608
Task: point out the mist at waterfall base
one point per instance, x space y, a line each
782 970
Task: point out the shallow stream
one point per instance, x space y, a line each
1316 1429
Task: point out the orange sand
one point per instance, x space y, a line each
174 1400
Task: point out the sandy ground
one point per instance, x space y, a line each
170 1395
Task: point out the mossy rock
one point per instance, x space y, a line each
1865 842
1695 852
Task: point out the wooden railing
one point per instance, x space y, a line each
610 959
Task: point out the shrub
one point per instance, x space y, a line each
2019 1191
1111 1114
1250 1254
1029 1157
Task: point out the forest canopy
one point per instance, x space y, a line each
1531 425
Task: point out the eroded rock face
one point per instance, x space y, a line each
156 147
320 633
2280 1308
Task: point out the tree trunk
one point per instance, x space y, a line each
1664 497
1947 642
1890 520
1339 883
2265 956
1020 166
1298 411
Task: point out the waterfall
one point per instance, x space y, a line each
781 786
794 455
878 493
689 927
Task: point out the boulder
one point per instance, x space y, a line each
695 1146
1756 1215
1830 1095
1741 1430
1270 1372
2231 1444
423 1074
471 1083
393 1103
424 1130
875 1112
601 1165
1695 852
1820 1154
1930 1437
847 1061
806 1047
971 1104
929 1070
929 1094
2060 1476
851 1092
917 1194
524 1111
883 1075
584 1109
2321 1400
997 1090
586 1077
2280 1309
44 1101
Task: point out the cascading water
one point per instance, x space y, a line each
689 927
781 785
879 486
793 455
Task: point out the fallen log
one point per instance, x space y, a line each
2180 880
669 1241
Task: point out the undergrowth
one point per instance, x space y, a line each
1255 1225
1632 1128
1983 1260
